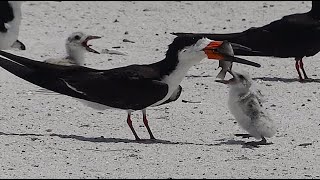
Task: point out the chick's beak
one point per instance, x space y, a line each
84 44
92 37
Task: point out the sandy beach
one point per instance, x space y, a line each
56 136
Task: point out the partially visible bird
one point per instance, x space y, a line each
246 105
10 19
295 35
76 47
130 88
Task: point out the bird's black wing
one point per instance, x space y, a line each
175 95
295 35
133 87
6 15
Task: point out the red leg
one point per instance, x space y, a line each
145 121
298 69
131 127
301 66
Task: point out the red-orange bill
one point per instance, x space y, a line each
212 52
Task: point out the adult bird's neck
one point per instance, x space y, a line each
172 70
166 66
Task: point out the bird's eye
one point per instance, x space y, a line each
241 77
77 37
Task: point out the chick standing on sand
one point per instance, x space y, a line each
245 104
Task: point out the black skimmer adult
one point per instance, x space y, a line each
296 35
76 47
246 105
130 88
10 19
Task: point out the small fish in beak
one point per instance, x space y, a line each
226 66
220 50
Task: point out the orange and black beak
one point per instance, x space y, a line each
87 46
218 50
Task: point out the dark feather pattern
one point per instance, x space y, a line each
6 15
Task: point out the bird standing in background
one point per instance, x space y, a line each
296 35
10 19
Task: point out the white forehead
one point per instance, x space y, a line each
194 53
202 43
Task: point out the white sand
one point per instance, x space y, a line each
55 136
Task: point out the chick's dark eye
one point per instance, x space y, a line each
241 77
77 37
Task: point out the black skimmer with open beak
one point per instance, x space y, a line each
130 88
10 19
296 35
76 46
246 105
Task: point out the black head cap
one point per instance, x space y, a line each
179 43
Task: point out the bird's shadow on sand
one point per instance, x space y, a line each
121 140
105 140
286 80
235 142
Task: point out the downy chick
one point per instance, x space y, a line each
76 46
245 103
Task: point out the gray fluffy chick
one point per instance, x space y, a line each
245 104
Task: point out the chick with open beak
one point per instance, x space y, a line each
245 103
87 46
76 46
78 41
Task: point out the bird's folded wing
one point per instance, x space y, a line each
131 87
251 106
43 66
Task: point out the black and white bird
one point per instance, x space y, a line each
296 35
10 19
76 47
130 88
246 104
